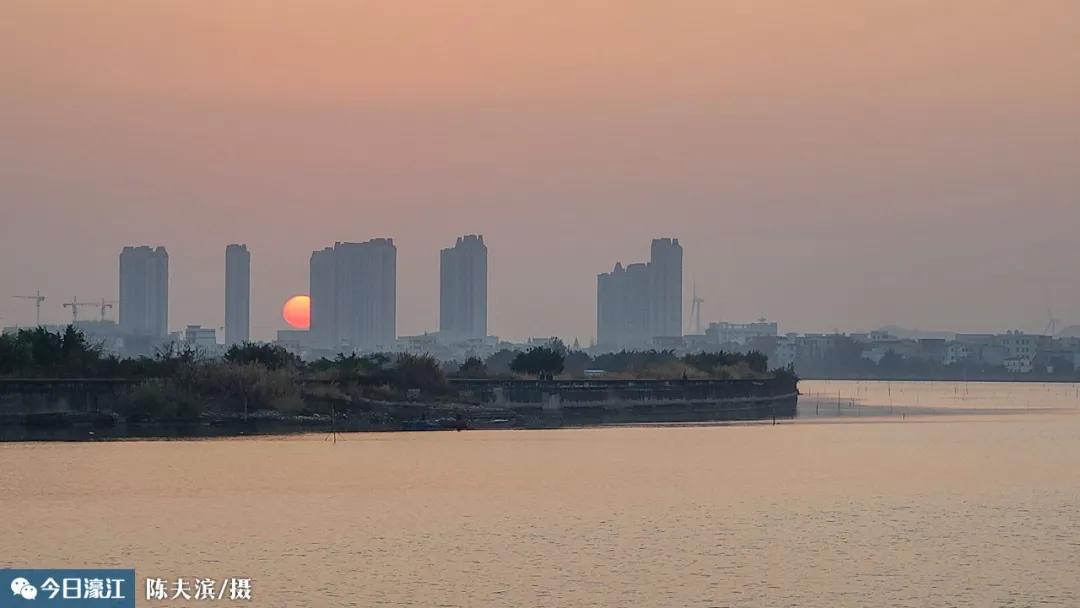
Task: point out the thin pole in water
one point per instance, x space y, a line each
333 424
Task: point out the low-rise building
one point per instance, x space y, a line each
784 353
724 333
203 338
957 353
296 341
1018 365
1020 345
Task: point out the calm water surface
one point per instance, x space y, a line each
931 510
860 398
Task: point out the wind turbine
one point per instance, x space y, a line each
1051 320
695 310
1051 324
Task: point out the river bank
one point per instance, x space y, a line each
67 410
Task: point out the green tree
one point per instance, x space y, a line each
472 368
538 361
46 347
418 371
78 355
576 362
270 356
40 352
14 354
498 364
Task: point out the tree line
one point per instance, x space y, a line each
182 382
554 359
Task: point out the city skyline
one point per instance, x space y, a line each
919 156
520 303
61 315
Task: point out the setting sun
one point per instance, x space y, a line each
297 312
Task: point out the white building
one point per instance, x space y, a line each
1019 345
1018 365
959 352
740 333
785 353
203 338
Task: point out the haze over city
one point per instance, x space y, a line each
507 303
844 167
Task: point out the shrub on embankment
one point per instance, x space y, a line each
181 382
260 377
214 387
556 360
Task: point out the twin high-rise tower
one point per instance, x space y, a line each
353 288
144 293
643 301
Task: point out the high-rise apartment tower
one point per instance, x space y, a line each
463 288
144 291
237 294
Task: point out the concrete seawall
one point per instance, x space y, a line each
638 400
22 396
75 409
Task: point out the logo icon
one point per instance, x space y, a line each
101 587
22 587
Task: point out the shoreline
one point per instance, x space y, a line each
1020 379
93 410
106 426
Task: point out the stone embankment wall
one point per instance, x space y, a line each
724 399
60 395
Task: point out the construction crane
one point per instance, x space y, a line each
695 310
38 299
75 305
105 305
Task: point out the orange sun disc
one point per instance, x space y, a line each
297 312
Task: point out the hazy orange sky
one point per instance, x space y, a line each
829 164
